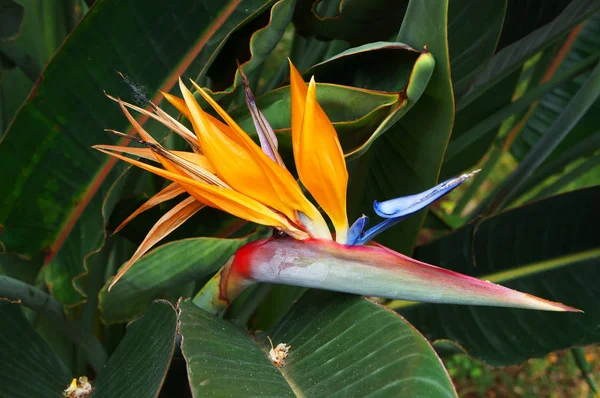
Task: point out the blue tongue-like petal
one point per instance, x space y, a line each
397 209
406 205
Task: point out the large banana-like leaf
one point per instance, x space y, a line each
51 207
548 248
339 346
67 111
29 367
139 365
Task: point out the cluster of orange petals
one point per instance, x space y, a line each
227 170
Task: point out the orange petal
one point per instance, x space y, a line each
182 107
187 163
140 130
178 103
163 227
243 165
320 162
148 138
298 92
168 193
224 199
147 153
162 117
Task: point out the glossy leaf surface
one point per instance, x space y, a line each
140 363
336 350
62 124
28 367
149 278
546 248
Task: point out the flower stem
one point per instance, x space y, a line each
218 293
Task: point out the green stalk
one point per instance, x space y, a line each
220 291
583 365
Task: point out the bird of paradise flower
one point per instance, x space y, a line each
227 170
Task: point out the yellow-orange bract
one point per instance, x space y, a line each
318 154
227 170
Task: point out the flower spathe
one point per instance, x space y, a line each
227 170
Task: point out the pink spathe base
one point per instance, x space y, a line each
372 271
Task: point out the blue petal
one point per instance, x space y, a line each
396 210
356 230
406 205
377 229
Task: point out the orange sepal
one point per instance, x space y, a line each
320 161
283 184
228 200
169 192
242 164
163 227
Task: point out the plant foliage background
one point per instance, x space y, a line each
514 92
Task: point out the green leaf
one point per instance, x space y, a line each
28 367
139 365
342 104
21 59
306 52
340 346
579 175
177 38
11 17
475 128
406 159
384 66
345 345
171 265
31 297
552 104
66 272
514 56
217 352
355 21
276 304
560 128
561 162
361 98
405 71
472 45
20 268
549 248
264 41
523 17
